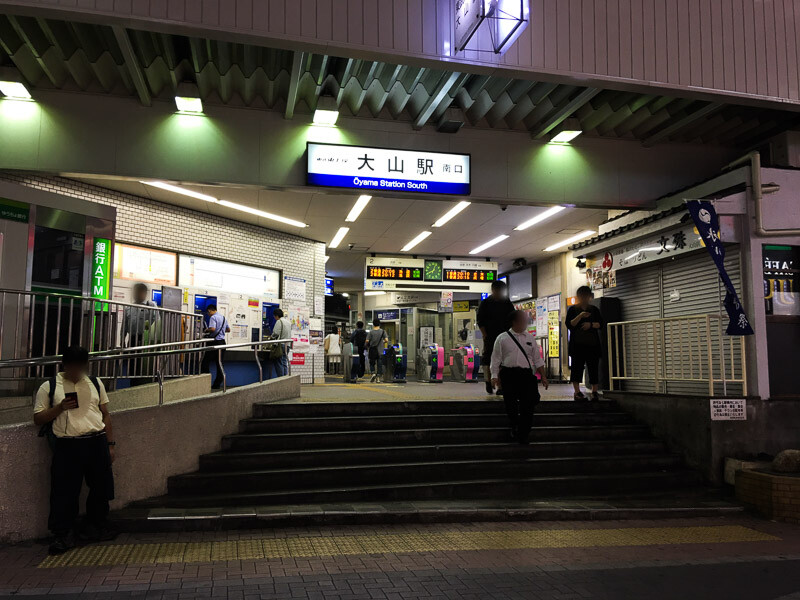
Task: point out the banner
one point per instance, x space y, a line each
707 223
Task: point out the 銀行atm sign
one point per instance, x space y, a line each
101 268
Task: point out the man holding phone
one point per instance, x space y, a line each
584 322
77 410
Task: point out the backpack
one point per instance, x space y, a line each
46 430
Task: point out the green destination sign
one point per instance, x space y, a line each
11 210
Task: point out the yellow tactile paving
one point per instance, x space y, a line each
402 543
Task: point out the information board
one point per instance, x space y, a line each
143 264
200 272
728 409
554 334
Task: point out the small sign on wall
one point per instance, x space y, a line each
728 409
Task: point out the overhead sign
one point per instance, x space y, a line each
386 170
506 20
12 210
469 16
389 273
388 315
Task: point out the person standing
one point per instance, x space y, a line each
333 350
584 322
492 319
515 360
138 327
376 341
359 340
75 407
216 330
282 330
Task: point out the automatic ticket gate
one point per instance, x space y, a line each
350 363
395 366
430 364
465 364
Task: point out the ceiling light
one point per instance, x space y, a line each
337 239
326 112
261 213
327 258
179 190
488 244
570 240
451 213
569 131
539 218
374 293
360 205
14 90
187 99
345 295
415 241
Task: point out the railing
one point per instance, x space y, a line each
101 361
35 324
690 355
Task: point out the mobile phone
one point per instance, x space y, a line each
72 396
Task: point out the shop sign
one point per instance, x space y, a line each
386 170
461 306
11 210
101 268
657 247
388 315
728 409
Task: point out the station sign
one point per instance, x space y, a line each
400 273
388 315
375 170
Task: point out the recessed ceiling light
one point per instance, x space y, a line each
14 90
261 213
187 99
539 218
337 239
565 137
451 213
488 244
570 240
179 190
326 112
415 241
360 205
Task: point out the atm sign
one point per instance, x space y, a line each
395 273
475 275
101 261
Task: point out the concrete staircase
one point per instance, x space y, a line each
316 455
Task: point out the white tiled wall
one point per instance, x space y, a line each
149 223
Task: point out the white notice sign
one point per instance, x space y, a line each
728 409
294 289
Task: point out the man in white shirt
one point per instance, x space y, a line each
76 407
515 356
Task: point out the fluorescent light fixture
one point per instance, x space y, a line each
179 190
568 132
360 205
415 241
326 112
374 293
539 218
261 213
327 258
187 99
337 239
451 213
488 244
14 90
345 295
570 240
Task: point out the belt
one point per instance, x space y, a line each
524 369
92 434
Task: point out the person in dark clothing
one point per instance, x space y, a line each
216 330
359 339
492 318
584 322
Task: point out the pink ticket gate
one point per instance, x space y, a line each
465 364
430 364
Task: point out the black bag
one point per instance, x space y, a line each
46 430
276 351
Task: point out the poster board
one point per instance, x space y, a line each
300 319
554 334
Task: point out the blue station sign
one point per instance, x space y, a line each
383 169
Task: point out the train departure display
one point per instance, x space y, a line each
394 273
475 275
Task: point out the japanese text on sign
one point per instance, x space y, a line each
101 267
413 274
469 275
728 409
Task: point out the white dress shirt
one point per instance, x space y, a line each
507 354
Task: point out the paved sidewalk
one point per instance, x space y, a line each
730 557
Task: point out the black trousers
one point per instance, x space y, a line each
585 356
361 361
213 354
521 394
76 459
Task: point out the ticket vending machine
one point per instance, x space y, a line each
430 364
350 363
465 364
396 364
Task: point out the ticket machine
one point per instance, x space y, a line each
430 364
350 363
395 364
465 364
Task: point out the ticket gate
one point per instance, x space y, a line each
395 364
350 363
465 363
430 364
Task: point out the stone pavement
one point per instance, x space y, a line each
724 557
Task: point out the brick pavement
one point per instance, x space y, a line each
686 558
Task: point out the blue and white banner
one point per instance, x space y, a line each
374 170
707 221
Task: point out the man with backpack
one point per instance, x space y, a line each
376 341
72 410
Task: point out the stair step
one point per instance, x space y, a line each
365 439
232 461
433 421
535 487
390 474
378 408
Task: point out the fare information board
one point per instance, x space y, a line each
391 273
383 169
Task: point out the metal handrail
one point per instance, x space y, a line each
91 299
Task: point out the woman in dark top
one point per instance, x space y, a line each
584 322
